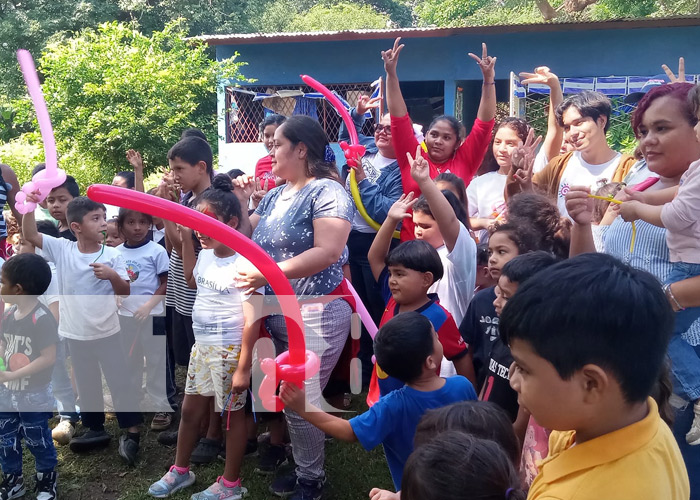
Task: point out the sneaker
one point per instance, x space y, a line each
273 457
171 482
46 486
128 449
167 438
218 491
308 490
284 484
161 421
206 451
693 436
63 432
91 440
12 486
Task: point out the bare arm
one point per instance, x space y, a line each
394 99
633 210
46 360
686 292
382 241
10 178
555 134
487 105
465 367
29 231
294 399
330 235
188 257
580 208
134 158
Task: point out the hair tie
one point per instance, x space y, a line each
328 154
508 492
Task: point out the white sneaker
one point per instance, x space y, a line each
63 432
693 436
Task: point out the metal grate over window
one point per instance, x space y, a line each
244 113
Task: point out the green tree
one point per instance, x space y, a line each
113 89
340 16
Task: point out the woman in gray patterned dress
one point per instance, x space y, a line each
304 226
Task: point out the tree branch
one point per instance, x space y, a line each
548 12
572 6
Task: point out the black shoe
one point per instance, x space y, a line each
206 451
167 438
91 440
12 486
308 490
284 484
128 449
46 486
270 459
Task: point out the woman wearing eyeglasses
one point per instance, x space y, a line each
379 183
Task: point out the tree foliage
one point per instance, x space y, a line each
113 89
341 16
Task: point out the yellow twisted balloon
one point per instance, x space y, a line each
355 191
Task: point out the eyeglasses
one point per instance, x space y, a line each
379 128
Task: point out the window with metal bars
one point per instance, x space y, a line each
244 114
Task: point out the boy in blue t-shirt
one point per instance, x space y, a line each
408 349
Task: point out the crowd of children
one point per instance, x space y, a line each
506 365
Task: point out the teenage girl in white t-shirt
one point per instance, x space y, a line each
485 192
226 326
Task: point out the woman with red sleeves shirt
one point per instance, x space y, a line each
446 151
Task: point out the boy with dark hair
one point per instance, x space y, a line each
589 338
57 202
585 118
89 275
28 351
405 276
408 348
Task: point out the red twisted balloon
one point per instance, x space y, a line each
295 365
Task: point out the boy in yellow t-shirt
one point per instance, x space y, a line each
589 337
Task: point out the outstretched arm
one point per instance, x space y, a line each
394 98
555 134
487 105
382 241
294 399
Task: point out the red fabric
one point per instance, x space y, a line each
263 166
465 162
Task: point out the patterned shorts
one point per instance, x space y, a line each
210 373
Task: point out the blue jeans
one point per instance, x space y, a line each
62 386
691 454
25 415
685 359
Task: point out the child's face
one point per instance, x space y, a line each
554 402
92 228
483 277
120 181
205 240
437 349
114 239
135 227
8 290
187 176
57 201
24 246
501 251
504 291
426 228
407 285
697 129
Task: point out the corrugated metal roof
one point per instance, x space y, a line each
371 34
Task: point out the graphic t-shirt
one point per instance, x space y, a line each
24 339
393 420
479 330
217 315
497 387
144 265
579 173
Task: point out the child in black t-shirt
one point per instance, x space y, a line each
28 350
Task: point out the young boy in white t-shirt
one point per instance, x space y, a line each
90 274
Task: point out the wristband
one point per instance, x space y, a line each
669 294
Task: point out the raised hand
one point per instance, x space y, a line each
134 159
486 63
243 188
420 169
542 75
365 103
523 160
261 189
681 72
399 210
391 56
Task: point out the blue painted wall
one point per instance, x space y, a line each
570 53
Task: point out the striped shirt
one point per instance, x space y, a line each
650 254
4 188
